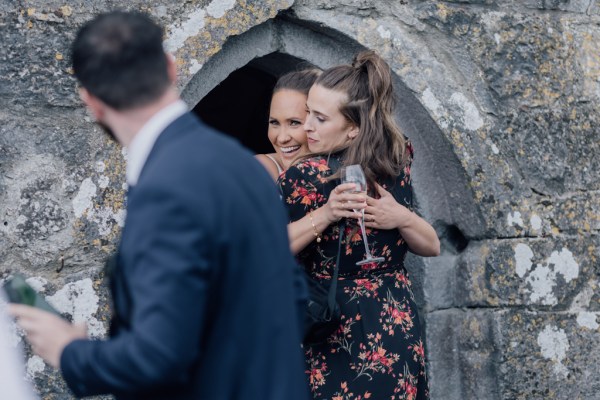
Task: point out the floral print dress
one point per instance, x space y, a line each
377 352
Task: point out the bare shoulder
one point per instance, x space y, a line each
269 165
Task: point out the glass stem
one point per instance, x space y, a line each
364 235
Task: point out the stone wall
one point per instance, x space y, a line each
500 98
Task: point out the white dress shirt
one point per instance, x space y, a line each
142 143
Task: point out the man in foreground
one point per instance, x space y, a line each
203 286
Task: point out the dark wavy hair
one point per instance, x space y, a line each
299 81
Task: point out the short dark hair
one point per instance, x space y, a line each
119 58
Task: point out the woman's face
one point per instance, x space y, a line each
325 125
286 125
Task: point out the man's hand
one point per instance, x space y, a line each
47 333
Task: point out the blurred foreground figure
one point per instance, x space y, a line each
11 367
206 293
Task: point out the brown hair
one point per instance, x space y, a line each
380 146
299 81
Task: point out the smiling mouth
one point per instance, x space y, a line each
289 150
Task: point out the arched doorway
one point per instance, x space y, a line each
441 187
239 105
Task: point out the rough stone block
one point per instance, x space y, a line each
548 355
578 6
463 361
439 282
542 272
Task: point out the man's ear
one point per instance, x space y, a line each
171 68
94 104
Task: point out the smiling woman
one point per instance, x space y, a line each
287 115
286 120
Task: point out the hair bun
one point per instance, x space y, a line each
363 58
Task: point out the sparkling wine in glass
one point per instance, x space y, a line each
354 174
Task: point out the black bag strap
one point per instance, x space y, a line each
334 280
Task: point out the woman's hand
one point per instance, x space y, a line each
385 212
342 203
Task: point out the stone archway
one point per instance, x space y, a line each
441 186
239 106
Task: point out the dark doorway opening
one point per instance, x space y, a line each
239 105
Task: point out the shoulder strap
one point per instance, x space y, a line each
279 168
334 279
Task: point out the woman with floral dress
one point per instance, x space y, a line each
377 351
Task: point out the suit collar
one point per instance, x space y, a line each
183 124
143 142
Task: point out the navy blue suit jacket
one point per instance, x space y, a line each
204 293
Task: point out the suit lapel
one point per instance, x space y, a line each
180 126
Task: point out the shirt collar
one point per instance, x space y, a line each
142 143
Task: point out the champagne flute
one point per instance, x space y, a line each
354 174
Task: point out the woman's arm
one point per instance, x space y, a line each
387 213
301 233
